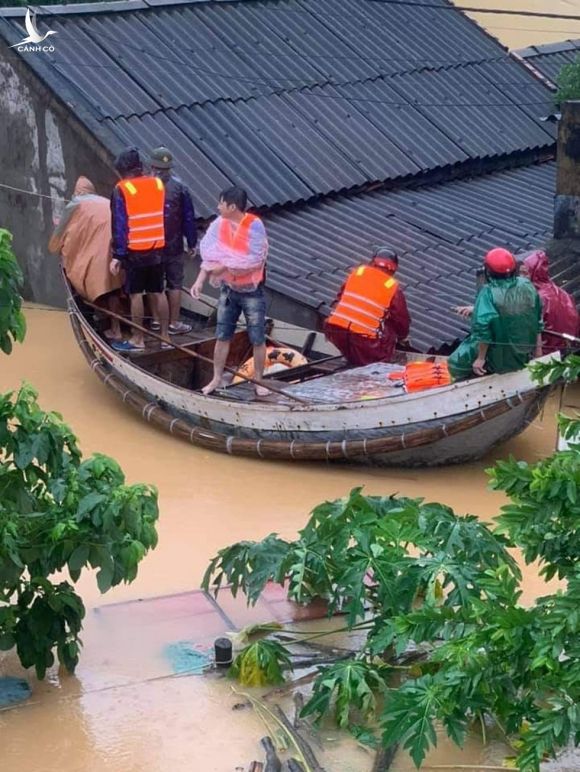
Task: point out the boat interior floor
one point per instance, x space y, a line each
354 384
325 379
152 344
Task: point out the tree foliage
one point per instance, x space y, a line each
261 663
409 572
568 82
58 512
12 322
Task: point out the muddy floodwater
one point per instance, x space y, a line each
121 712
521 31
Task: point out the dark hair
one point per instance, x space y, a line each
493 275
386 253
236 196
129 161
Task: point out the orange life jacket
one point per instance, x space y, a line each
366 298
239 241
418 376
144 201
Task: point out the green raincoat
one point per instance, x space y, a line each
507 316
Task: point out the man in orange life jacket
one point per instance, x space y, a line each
233 255
370 313
137 208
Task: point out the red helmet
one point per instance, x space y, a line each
500 261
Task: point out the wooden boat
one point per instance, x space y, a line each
346 414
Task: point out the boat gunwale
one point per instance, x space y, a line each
257 407
295 450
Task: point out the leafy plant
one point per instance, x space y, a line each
361 551
12 321
261 663
248 566
408 572
567 369
243 636
344 687
544 516
568 82
58 512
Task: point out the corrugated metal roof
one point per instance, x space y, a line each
441 234
551 57
293 99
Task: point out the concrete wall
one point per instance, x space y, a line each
43 149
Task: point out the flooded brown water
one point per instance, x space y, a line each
120 713
520 31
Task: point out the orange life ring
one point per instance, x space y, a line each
275 356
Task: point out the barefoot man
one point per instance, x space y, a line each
233 255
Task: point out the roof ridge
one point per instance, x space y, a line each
570 44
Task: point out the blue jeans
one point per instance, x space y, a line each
230 306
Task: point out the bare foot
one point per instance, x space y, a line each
215 383
110 335
137 342
262 391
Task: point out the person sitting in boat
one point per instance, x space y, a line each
506 323
369 315
138 226
233 254
82 237
558 307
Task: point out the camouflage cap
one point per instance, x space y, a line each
161 158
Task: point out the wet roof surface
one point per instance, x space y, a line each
441 234
551 57
306 103
293 99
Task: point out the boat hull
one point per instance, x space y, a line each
376 434
470 444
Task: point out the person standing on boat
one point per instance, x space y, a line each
506 322
82 237
233 256
558 307
137 208
369 315
179 226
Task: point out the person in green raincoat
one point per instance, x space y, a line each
506 323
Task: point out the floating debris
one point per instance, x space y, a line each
13 690
184 657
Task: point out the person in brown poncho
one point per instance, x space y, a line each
83 239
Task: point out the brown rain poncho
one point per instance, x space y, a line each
83 238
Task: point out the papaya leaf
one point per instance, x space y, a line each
261 664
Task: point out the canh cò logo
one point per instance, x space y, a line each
35 38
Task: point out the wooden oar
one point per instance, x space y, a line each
194 354
563 335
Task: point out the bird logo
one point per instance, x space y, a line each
34 35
